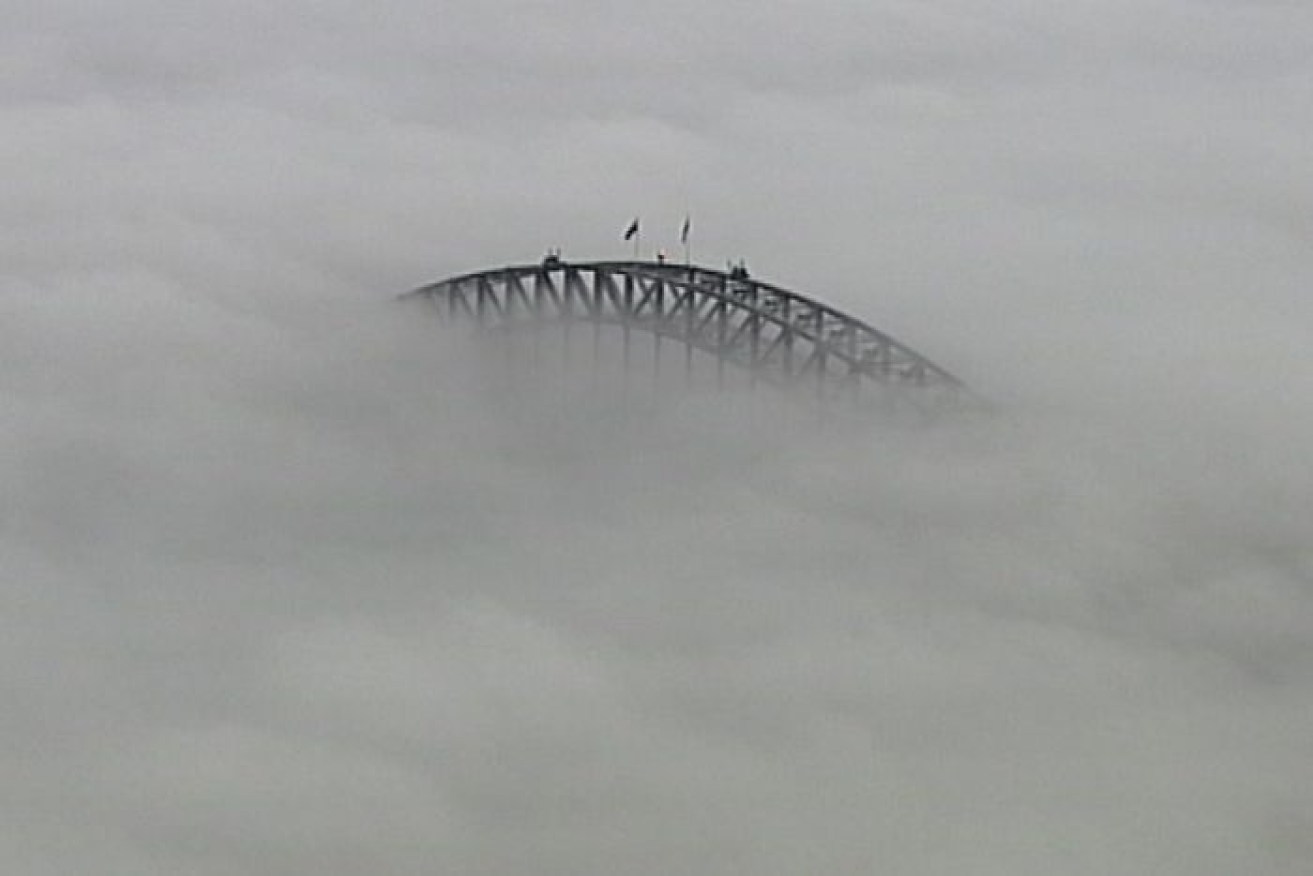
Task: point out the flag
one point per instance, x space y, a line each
631 230
683 232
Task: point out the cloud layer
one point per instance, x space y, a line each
295 584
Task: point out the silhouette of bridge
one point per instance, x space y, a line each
772 333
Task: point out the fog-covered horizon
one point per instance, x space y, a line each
296 583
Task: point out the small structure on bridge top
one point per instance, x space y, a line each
775 334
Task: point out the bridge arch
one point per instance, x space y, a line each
783 336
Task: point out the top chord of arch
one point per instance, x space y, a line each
779 334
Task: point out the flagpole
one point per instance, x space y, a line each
634 232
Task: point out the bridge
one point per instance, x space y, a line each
771 333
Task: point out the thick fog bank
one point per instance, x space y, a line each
294 584
335 592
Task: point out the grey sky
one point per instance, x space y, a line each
291 588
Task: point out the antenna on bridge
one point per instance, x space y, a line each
684 240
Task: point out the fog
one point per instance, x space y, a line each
296 582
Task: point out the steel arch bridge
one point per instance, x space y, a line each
777 335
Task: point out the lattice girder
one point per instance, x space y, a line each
781 335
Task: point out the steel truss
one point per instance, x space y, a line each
778 335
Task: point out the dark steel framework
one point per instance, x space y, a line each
777 335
